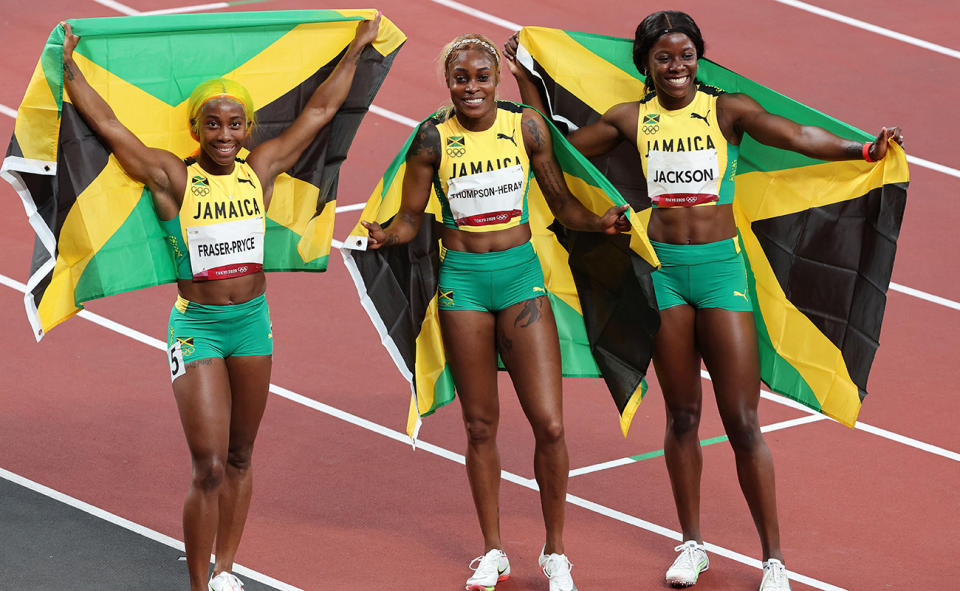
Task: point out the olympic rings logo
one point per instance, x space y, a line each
456 152
651 129
200 191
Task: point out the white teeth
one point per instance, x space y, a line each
473 101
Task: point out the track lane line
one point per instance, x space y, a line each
710 441
132 526
854 22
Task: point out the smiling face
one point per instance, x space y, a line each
222 129
672 65
472 80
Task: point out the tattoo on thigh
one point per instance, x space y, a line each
531 312
504 344
199 362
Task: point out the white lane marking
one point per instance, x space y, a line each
131 526
925 296
853 22
351 207
121 8
387 114
8 111
486 16
185 9
629 460
860 425
933 166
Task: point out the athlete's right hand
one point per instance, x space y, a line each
510 56
376 235
69 41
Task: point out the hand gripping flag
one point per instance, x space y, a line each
97 233
599 288
819 237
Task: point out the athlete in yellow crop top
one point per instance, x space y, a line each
492 297
677 112
220 336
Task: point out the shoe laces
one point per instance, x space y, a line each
688 556
775 571
557 565
486 564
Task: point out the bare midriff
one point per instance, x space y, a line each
692 225
480 242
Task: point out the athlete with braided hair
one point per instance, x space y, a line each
705 306
481 153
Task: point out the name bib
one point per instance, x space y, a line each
486 198
227 249
683 179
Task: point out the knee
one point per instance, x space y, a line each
208 473
683 422
549 432
480 431
743 430
240 456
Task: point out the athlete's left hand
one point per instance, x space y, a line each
367 30
878 149
615 220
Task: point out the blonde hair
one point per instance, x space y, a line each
463 43
218 88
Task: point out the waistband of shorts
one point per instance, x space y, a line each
490 261
184 306
692 254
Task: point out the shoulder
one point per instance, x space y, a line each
623 116
736 102
426 142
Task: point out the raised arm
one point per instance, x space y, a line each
279 154
423 159
591 140
568 210
739 114
161 171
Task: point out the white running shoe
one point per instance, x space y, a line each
686 569
774 576
225 582
490 569
557 567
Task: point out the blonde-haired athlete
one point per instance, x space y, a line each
220 325
492 299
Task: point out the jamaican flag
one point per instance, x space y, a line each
599 288
97 233
819 237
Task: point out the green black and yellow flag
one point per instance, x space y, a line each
97 233
599 288
819 237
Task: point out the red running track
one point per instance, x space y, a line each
89 412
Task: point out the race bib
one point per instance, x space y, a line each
683 179
227 249
486 198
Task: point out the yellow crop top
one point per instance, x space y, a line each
686 160
220 231
484 175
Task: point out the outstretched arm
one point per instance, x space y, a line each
279 154
591 140
161 171
423 158
739 114
569 211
